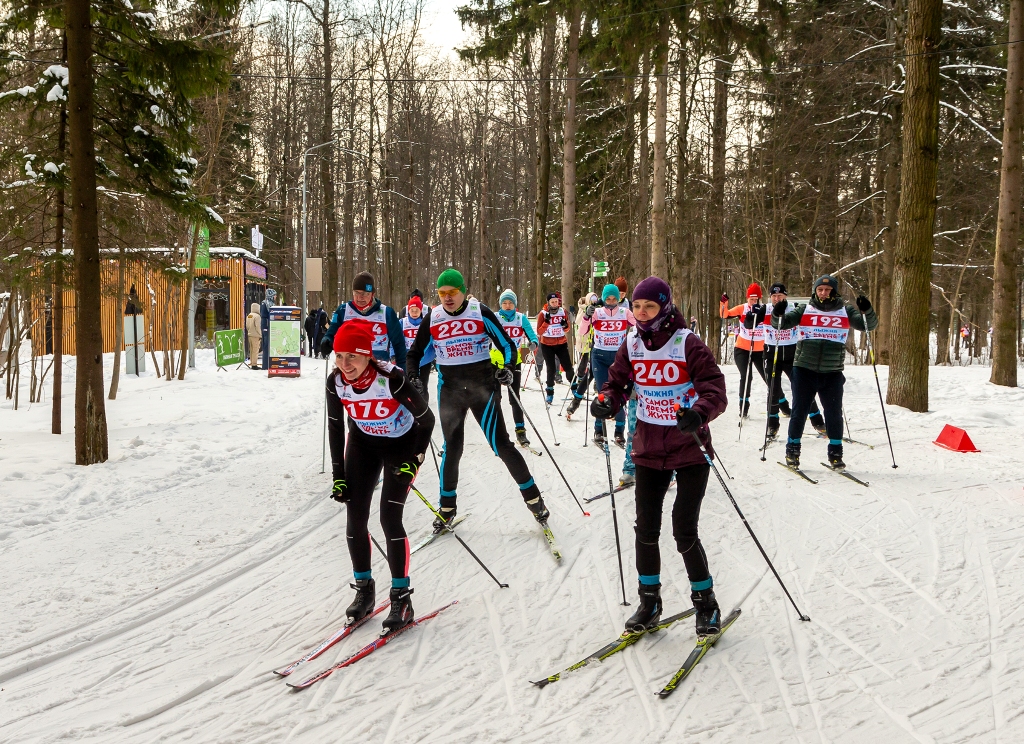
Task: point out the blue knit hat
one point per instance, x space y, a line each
610 290
508 294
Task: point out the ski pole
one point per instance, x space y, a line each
323 442
611 492
771 393
433 453
746 524
849 434
545 446
871 352
456 536
547 409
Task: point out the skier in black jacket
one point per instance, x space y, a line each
461 332
389 430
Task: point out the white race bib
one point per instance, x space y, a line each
462 339
375 411
825 326
660 378
610 328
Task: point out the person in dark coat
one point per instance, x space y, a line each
680 389
388 341
309 326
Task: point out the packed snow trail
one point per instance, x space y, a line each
150 597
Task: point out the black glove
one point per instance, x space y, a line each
601 408
725 297
417 385
406 472
688 420
863 303
759 312
326 346
339 491
754 316
503 376
589 311
779 309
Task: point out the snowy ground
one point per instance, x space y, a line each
148 598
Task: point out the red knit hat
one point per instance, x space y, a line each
354 337
415 301
754 290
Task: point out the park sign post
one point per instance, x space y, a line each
285 352
600 271
229 347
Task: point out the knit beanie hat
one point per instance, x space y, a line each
610 290
830 281
354 337
364 282
778 288
451 278
754 290
415 301
555 296
656 290
508 294
622 285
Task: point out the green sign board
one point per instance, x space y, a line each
229 347
203 248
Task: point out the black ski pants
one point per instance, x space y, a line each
745 360
651 487
554 356
368 457
425 379
584 374
828 386
482 397
784 366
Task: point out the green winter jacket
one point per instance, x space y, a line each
818 355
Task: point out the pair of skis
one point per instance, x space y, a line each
362 653
837 471
627 639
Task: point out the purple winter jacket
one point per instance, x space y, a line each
665 447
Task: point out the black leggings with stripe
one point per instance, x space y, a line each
375 455
482 397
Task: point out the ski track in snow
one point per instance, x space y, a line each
148 598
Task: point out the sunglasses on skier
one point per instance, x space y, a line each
442 293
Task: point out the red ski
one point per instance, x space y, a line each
369 649
330 641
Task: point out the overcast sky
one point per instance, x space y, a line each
441 26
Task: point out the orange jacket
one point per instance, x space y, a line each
740 311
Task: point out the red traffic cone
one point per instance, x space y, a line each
955 439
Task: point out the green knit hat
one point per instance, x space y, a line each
451 278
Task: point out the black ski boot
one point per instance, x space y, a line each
709 617
835 457
818 422
574 406
362 605
745 403
439 524
773 427
784 408
793 454
599 438
648 613
521 436
401 610
620 439
540 512
558 379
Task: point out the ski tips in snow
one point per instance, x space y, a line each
798 471
331 640
699 650
369 648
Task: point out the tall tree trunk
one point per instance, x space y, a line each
90 414
639 256
659 239
891 139
569 156
716 216
329 296
58 278
1004 279
540 212
350 187
911 287
684 269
